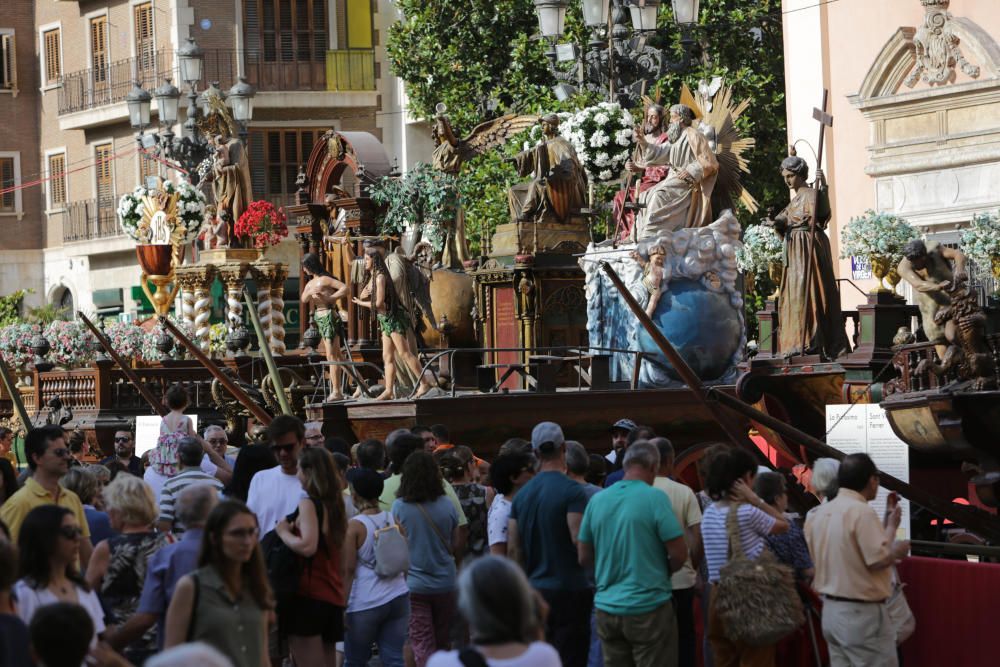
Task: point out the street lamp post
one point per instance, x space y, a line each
619 58
191 149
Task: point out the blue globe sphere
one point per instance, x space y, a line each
702 325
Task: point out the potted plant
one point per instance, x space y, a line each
762 252
880 237
981 242
15 348
71 344
262 225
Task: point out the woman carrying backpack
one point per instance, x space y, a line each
378 609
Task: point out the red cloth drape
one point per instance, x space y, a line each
954 603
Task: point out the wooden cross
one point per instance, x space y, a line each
825 121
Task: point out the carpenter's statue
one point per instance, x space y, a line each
822 324
683 198
231 179
558 188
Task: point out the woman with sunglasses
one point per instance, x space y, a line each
49 542
227 600
313 618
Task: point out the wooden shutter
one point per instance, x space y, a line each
7 199
99 48
53 64
144 41
8 66
57 180
147 167
105 173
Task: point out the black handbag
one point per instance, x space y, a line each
284 566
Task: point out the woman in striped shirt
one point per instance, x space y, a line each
729 483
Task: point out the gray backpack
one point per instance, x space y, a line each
392 553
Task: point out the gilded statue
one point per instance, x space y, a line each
558 188
822 325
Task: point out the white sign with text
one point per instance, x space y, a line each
863 428
147 432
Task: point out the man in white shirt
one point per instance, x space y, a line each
275 492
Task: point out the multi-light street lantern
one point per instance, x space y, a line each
618 60
190 150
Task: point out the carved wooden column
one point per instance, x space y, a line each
263 274
278 309
233 275
196 281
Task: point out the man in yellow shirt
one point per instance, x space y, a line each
48 457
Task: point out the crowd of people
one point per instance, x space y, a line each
304 550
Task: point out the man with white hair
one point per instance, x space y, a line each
684 198
314 434
631 537
218 439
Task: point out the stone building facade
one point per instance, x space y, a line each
315 64
915 94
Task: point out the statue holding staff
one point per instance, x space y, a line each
808 301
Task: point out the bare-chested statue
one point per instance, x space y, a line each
322 293
927 267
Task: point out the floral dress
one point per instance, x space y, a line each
121 587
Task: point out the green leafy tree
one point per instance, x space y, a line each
10 307
486 62
422 197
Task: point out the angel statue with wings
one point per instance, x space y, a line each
451 153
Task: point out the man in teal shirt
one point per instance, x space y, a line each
630 535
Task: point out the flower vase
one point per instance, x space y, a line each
776 271
881 266
893 278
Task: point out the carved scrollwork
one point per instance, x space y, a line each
936 48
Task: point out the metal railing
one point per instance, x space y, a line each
340 70
110 83
91 219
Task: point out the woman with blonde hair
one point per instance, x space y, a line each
313 618
117 568
226 601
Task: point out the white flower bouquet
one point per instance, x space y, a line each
190 209
129 214
876 235
602 137
761 247
981 241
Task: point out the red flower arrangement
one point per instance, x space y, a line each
263 224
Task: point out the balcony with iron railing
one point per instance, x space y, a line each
340 71
91 219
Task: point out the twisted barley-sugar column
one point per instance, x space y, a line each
187 279
263 275
232 276
278 309
203 305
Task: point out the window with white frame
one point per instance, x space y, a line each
8 61
10 181
57 180
52 55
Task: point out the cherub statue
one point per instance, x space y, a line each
653 273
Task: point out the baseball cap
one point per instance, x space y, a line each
367 483
546 432
624 425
